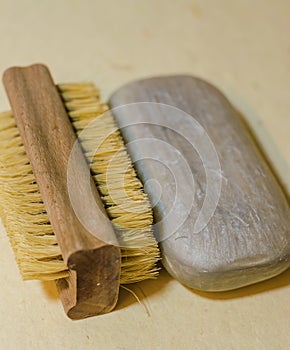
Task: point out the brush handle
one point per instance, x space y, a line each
48 137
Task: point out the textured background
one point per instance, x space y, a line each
241 46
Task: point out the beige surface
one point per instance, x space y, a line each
241 46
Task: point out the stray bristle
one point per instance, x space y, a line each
22 210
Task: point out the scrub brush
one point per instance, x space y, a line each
48 239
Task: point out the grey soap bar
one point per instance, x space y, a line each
221 217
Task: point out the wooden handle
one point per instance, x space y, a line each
48 137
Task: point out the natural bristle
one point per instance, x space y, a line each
122 192
22 210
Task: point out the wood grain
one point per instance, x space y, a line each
247 238
48 137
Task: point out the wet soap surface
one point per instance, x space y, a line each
221 217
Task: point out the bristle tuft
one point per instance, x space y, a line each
122 192
22 210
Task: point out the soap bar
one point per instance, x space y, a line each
221 217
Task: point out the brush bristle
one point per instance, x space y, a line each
22 210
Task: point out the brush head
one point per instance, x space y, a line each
22 210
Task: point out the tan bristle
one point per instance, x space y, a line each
23 212
122 192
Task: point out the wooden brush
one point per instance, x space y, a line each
47 236
220 215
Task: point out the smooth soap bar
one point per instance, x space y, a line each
221 216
